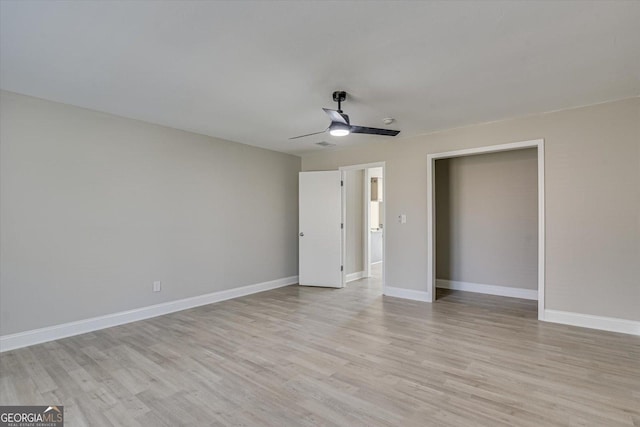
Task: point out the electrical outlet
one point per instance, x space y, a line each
157 286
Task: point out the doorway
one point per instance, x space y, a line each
538 145
364 214
375 199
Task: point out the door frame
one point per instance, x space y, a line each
431 241
367 212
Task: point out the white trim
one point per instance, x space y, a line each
384 226
355 276
407 294
377 262
487 149
481 288
362 166
343 230
541 230
50 333
611 324
431 227
431 249
367 222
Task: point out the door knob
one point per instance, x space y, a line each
301 234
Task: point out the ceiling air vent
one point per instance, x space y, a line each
325 144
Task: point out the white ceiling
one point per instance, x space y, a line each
259 72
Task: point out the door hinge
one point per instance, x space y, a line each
342 268
342 183
342 225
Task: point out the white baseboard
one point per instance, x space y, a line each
611 324
50 333
354 276
488 289
407 294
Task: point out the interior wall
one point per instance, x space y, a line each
592 170
95 207
487 219
354 221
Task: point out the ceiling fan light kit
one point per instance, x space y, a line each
339 129
341 126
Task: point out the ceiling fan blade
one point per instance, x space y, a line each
374 131
336 116
309 134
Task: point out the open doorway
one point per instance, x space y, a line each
486 224
375 199
485 221
364 214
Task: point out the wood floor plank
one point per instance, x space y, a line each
299 356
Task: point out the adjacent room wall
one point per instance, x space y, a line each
354 221
95 207
592 163
487 219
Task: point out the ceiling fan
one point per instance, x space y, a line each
340 125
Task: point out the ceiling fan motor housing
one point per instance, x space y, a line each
339 95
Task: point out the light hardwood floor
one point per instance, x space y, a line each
309 356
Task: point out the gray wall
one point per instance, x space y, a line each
94 208
355 221
592 161
487 219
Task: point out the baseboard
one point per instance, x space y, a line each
354 276
611 324
407 294
37 336
480 288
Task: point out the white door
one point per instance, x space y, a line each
320 233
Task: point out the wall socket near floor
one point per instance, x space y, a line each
402 218
157 286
